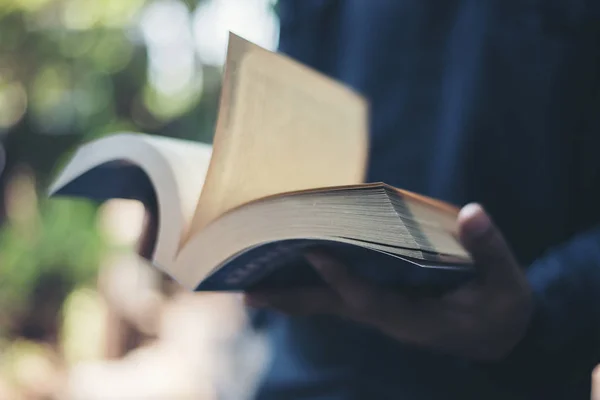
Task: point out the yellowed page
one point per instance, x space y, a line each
282 127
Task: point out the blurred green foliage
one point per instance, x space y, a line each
60 243
70 71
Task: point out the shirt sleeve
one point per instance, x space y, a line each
563 340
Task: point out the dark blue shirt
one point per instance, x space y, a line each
494 101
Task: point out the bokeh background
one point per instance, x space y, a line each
81 317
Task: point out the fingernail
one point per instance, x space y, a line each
475 220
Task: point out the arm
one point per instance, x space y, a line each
566 286
563 339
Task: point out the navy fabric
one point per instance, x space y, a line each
495 101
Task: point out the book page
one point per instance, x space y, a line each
133 165
281 127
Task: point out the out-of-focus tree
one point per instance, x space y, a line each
72 71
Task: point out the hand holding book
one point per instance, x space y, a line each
482 320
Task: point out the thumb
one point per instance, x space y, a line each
482 239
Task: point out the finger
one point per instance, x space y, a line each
304 301
357 293
376 305
484 241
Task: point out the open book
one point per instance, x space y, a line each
285 173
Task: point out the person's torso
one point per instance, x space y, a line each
495 101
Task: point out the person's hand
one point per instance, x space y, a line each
482 320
